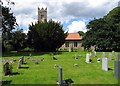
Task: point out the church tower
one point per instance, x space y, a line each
42 14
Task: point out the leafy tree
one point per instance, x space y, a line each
11 39
18 40
81 33
8 24
104 33
46 36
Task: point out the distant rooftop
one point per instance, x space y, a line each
73 36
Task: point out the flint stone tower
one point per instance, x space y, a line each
42 14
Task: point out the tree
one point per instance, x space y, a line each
81 33
18 40
104 33
46 36
11 39
8 24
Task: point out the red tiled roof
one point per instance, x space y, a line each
73 36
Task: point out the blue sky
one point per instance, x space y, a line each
73 14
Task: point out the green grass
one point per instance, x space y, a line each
45 73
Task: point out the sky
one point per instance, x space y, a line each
74 15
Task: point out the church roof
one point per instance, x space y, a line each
73 36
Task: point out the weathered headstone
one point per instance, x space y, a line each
22 59
69 49
76 56
105 64
87 58
30 54
36 62
19 63
60 76
110 56
103 55
117 67
113 52
7 69
93 53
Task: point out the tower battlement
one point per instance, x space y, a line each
42 14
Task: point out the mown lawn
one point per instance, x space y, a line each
45 73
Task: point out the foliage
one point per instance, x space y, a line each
81 33
11 39
46 36
104 33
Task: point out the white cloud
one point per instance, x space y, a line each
61 10
77 26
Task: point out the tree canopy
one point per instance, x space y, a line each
11 39
104 33
46 36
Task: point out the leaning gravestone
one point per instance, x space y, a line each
117 67
110 56
19 63
7 69
87 58
105 64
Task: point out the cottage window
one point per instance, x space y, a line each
67 44
75 44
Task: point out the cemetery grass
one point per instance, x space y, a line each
45 73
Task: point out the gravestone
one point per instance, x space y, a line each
30 54
60 76
7 69
113 52
76 56
22 59
110 56
105 64
117 67
69 49
103 55
19 63
93 53
87 58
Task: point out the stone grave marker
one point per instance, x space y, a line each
7 69
19 63
87 58
22 59
105 64
103 55
93 53
30 54
60 76
117 67
110 56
